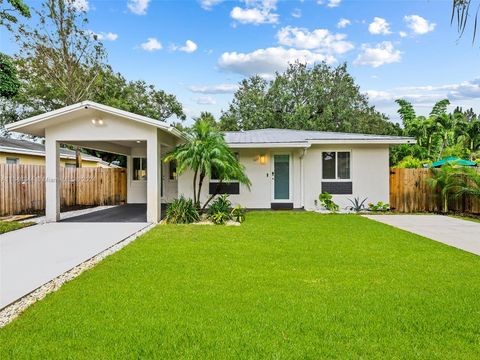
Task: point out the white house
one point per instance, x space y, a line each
288 168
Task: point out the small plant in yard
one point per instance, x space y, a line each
238 214
221 205
327 202
379 206
357 205
182 211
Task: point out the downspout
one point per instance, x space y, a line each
302 179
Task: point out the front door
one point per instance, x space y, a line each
281 177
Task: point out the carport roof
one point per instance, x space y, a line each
36 125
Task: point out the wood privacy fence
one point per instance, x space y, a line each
22 188
411 192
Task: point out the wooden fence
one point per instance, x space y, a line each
22 188
411 192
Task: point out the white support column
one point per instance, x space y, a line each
52 183
153 179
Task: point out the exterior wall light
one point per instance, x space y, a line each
262 159
97 122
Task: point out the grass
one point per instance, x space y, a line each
286 285
6 226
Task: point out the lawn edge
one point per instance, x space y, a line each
13 310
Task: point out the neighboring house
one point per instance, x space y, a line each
23 152
287 168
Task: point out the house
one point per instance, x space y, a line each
23 152
287 168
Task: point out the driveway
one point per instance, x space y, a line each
462 234
33 256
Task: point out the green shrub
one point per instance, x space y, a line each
220 218
327 202
238 214
220 210
181 211
410 162
380 206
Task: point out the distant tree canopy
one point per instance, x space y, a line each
320 98
9 10
9 84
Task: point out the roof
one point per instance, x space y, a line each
304 138
16 146
33 126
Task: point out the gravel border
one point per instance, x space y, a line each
10 312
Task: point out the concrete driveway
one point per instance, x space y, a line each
462 234
32 256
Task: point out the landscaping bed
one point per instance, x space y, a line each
282 285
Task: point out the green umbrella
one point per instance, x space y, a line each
454 160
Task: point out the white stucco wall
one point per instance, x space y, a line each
369 173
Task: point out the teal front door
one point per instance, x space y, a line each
281 177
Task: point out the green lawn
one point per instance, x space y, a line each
6 226
284 285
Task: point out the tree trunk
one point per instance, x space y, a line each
78 158
215 193
200 183
195 187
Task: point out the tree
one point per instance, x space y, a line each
446 179
470 182
9 84
321 98
406 112
205 153
135 96
7 12
461 15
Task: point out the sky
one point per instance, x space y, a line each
200 49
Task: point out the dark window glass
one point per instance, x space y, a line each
12 161
328 165
343 170
139 169
172 170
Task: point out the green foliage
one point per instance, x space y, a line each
379 206
206 152
446 179
409 162
469 182
327 202
220 218
220 204
8 12
181 211
320 98
6 226
439 135
238 214
357 204
9 84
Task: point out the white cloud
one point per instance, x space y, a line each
214 89
80 5
297 13
343 23
105 36
265 62
256 12
205 100
379 26
381 54
403 34
333 3
320 39
138 7
418 24
152 44
209 4
189 47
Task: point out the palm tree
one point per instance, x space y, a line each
447 180
461 15
205 153
446 125
470 183
469 134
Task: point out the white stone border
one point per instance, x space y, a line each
10 312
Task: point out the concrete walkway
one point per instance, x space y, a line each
32 256
462 234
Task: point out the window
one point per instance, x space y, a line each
70 166
232 187
172 170
336 165
12 161
139 168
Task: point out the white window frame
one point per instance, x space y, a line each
133 169
336 166
9 158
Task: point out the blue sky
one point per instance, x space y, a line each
200 50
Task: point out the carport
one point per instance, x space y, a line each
95 126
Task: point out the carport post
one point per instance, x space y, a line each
154 177
52 180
